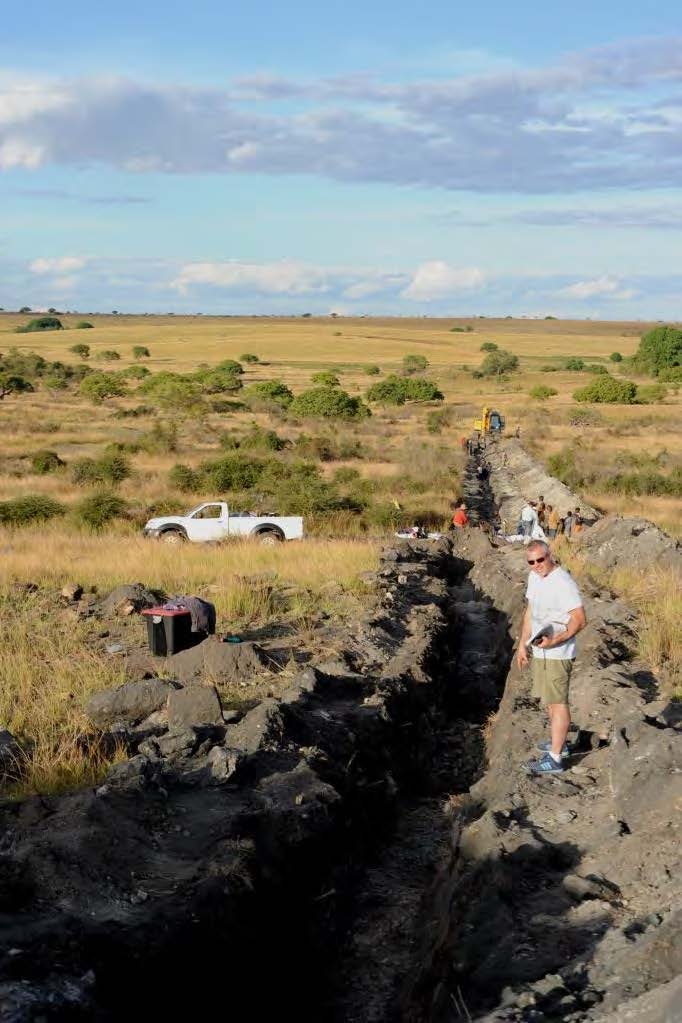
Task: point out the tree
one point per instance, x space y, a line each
394 390
325 378
108 355
414 364
498 363
42 323
328 403
140 352
81 350
574 364
100 386
269 392
659 349
616 357
372 371
11 384
607 390
173 390
489 346
25 309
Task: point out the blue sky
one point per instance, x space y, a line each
377 158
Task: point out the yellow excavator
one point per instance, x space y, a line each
490 422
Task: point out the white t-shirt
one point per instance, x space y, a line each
528 514
551 598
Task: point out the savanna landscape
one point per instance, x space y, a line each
185 409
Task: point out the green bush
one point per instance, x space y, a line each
542 392
260 439
98 509
574 364
489 346
54 383
498 363
607 390
596 369
585 417
616 357
650 394
462 330
249 357
325 379
11 384
83 325
134 373
394 390
422 390
269 393
108 355
111 468
230 366
563 465
173 391
328 403
162 439
414 364
44 462
372 371
185 479
100 386
42 323
82 351
659 349
645 484
23 511
671 376
234 472
140 352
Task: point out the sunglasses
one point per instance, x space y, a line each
538 561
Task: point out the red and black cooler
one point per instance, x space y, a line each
170 631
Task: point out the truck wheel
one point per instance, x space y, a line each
269 538
173 536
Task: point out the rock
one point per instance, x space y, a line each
580 888
129 704
135 773
172 744
231 717
11 754
72 591
634 542
222 763
261 725
131 595
192 707
213 660
115 648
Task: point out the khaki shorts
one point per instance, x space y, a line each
550 679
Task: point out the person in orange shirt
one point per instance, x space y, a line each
552 521
460 519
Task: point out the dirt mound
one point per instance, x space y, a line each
516 478
615 542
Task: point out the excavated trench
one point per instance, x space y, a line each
363 848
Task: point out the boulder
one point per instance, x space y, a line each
634 543
217 661
72 591
192 707
127 599
129 704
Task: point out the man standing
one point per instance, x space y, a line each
529 518
555 610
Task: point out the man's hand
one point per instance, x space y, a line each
522 656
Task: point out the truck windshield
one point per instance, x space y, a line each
209 511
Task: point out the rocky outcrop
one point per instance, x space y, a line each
618 542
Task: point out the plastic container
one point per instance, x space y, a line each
169 631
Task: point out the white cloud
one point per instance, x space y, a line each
437 279
15 152
599 287
58 265
279 278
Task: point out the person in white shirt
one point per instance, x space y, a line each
529 518
555 611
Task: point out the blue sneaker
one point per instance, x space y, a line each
545 765
566 750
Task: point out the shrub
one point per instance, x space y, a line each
135 413
549 369
671 376
22 511
111 468
82 351
249 357
44 462
134 372
489 346
173 391
140 352
616 357
641 484
462 330
185 479
269 393
161 439
563 465
497 363
596 369
397 390
650 394
108 355
100 386
659 349
263 440
607 390
98 509
55 383
574 364
372 371
11 384
230 366
83 325
234 472
325 379
42 323
328 403
414 364
542 392
584 417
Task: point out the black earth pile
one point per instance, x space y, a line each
476 488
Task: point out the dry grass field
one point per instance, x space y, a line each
402 464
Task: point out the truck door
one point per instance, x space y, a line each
208 522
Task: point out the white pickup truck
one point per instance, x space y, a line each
214 521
